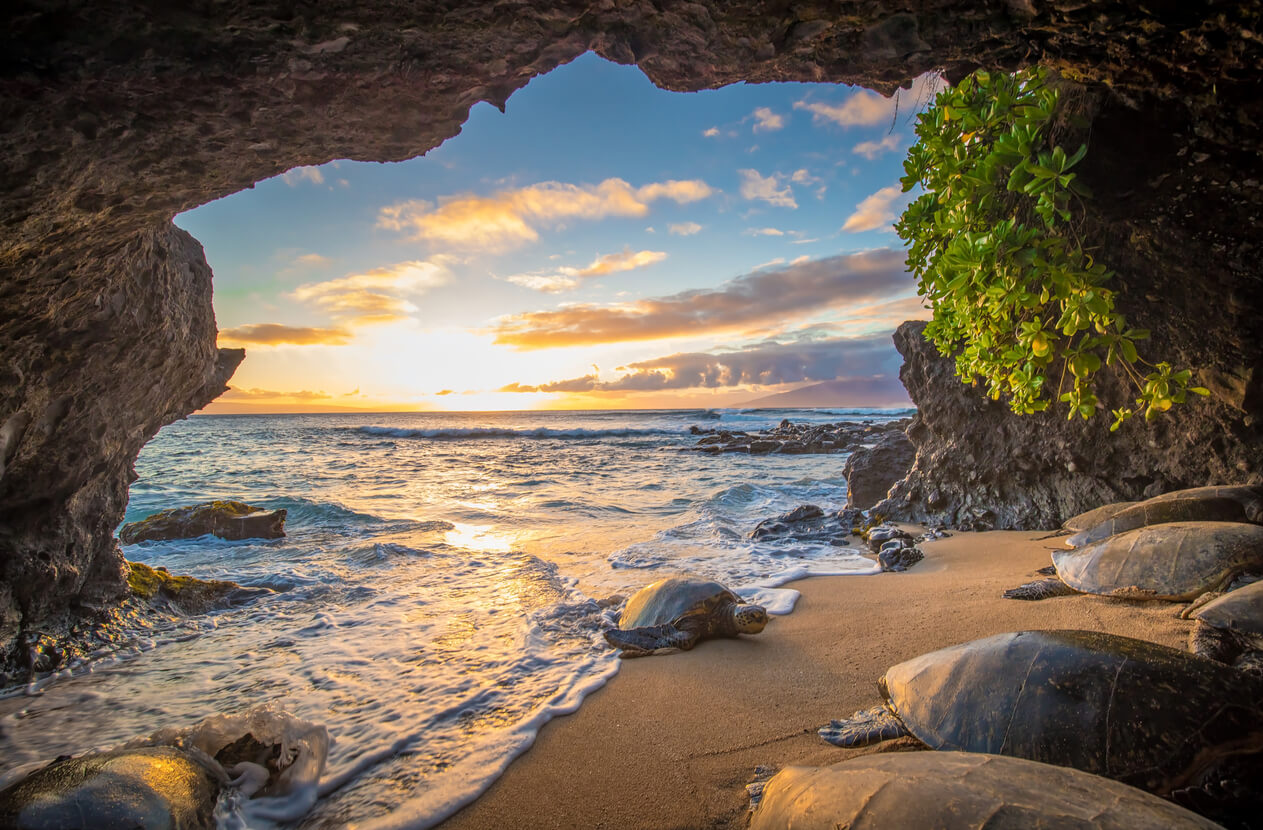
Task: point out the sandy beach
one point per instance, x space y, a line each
671 741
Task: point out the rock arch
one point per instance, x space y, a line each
115 117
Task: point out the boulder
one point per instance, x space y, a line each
151 788
871 472
225 519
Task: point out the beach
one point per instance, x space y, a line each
671 741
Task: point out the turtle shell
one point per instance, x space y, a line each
1240 611
1201 504
667 600
1092 518
1144 714
959 791
1176 561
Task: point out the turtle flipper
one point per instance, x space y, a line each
1215 643
650 639
870 726
1040 589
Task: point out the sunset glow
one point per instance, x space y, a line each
603 244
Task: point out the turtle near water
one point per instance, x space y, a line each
959 791
1150 716
1230 628
1176 561
678 612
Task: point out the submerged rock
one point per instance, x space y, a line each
148 788
225 519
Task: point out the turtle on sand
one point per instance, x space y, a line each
1150 716
678 612
1092 518
959 791
1230 628
1201 504
1177 561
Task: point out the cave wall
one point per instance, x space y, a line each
115 117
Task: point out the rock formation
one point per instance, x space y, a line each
225 519
870 472
116 116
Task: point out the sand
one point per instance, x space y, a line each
671 741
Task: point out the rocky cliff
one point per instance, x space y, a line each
116 116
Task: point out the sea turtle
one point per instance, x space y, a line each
149 787
1177 561
1201 504
677 612
1231 627
1092 518
1141 713
959 791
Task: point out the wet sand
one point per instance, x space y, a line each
672 741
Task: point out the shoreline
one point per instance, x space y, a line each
671 741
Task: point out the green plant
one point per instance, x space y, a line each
994 243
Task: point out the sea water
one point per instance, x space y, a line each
439 594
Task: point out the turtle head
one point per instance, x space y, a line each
749 619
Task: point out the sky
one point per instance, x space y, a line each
600 244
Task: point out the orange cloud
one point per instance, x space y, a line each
566 278
235 394
276 334
375 296
758 299
510 218
875 212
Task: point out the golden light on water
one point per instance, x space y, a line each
481 538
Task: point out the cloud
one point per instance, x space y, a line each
872 149
311 260
298 175
566 278
770 363
510 218
767 189
235 394
757 299
711 133
764 232
684 228
866 108
765 119
875 212
275 334
377 296
443 392
801 176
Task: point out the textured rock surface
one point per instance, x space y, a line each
871 472
225 519
116 116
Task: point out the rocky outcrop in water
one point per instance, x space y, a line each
114 117
226 519
797 439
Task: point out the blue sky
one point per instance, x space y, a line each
601 243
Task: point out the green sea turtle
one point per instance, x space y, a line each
959 791
151 787
1092 518
1177 561
1150 716
1231 627
1201 504
676 613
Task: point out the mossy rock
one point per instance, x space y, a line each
224 518
190 594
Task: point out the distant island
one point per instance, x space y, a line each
878 390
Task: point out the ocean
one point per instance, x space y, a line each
438 596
